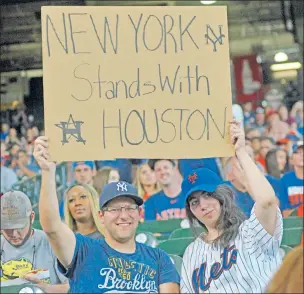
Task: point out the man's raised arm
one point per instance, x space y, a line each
61 238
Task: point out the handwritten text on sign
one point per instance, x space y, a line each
136 82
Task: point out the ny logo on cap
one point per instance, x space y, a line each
192 178
122 187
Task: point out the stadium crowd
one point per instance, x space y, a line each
274 141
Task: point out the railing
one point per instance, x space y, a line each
31 186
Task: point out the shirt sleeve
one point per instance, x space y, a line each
168 272
149 210
186 272
256 240
283 196
81 251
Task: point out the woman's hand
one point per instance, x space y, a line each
237 136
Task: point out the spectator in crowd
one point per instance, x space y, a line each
234 254
277 162
297 112
255 143
12 138
249 116
116 263
291 196
289 277
124 167
146 182
24 249
8 178
24 167
81 211
259 123
84 172
105 176
277 129
5 156
252 133
267 144
4 131
170 201
283 113
238 182
13 155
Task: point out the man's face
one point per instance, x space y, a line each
297 158
266 145
83 174
23 158
17 237
260 118
120 218
164 172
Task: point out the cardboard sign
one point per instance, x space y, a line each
136 82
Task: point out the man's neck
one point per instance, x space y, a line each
172 190
85 228
299 171
127 247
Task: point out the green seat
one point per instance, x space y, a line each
37 225
160 226
284 249
292 222
186 233
175 246
146 238
178 262
292 237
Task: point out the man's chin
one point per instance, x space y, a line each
16 242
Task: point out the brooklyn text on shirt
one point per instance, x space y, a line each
128 275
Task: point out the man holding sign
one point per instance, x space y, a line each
114 264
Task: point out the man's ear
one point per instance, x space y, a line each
32 217
101 216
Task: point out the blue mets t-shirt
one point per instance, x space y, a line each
98 268
161 207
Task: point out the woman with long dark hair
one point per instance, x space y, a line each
235 254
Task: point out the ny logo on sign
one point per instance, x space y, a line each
122 187
214 38
70 129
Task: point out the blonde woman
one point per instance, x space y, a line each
81 211
146 182
105 175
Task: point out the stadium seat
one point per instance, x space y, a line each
146 238
186 233
175 246
292 222
284 249
178 262
37 225
164 226
292 236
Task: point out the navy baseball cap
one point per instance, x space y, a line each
118 189
88 163
296 146
151 162
202 179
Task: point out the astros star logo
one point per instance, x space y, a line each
71 128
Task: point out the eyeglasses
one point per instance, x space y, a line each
117 210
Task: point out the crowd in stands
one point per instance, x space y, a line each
274 141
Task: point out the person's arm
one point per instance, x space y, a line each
169 288
27 172
61 238
260 189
